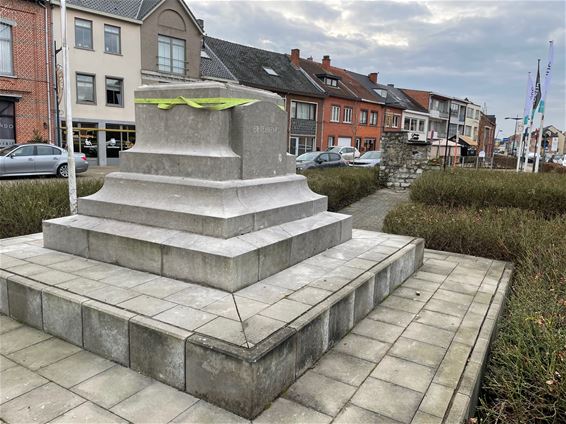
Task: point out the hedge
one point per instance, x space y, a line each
545 193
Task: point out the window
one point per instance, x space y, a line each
330 141
171 55
270 71
363 117
348 115
303 110
7 123
114 91
85 89
335 114
47 151
396 121
392 121
462 115
6 63
468 131
414 124
373 118
358 144
112 39
331 82
439 106
380 92
24 151
469 113
477 114
334 157
83 33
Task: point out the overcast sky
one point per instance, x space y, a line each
476 49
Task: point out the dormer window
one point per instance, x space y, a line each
331 81
381 92
270 71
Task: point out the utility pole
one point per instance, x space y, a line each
516 119
68 113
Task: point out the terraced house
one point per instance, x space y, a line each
114 47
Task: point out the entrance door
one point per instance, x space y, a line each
344 141
7 123
294 145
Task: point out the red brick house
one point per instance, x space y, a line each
487 134
26 101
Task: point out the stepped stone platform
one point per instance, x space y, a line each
417 357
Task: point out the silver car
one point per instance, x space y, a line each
38 159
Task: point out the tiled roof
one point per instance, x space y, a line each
212 67
247 65
395 97
146 6
131 9
355 86
314 68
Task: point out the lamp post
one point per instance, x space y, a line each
516 119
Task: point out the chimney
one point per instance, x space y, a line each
310 58
200 23
295 55
326 62
373 77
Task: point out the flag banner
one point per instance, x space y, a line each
547 76
529 99
536 100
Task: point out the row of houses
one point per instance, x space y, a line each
116 46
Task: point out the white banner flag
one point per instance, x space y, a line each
529 99
547 76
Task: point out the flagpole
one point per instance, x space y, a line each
539 144
68 113
541 108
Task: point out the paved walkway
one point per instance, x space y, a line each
369 213
416 358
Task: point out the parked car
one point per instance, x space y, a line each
558 159
38 159
347 153
312 160
531 157
369 159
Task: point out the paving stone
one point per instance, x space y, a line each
362 347
263 293
129 278
439 320
458 287
88 413
185 317
345 368
99 272
197 296
312 341
10 262
453 297
55 277
389 400
112 295
330 282
44 353
27 269
378 330
482 298
259 327
429 276
436 400
146 305
5 363
161 287
418 284
320 393
75 368
285 310
204 412
73 265
404 373
62 314
284 411
17 381
106 331
424 418
82 285
459 409
154 404
295 277
469 329
448 308
25 300
8 324
353 414
158 350
419 352
226 308
47 259
438 266
428 334
402 304
40 405
391 316
414 294
224 329
21 338
112 386
248 307
310 295
452 365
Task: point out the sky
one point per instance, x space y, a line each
482 50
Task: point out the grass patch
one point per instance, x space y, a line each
545 193
526 374
26 203
343 186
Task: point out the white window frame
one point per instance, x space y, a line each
372 121
109 29
348 111
9 41
335 113
170 67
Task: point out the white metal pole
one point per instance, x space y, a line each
68 112
539 143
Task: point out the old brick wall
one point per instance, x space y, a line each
30 67
401 162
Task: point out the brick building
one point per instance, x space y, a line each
487 134
26 101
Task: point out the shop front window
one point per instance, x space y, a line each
7 123
118 138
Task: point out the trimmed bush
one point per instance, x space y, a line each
25 203
553 167
545 193
504 162
343 186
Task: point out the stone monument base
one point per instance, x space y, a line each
238 350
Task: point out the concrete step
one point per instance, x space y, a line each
218 209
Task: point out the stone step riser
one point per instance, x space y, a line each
227 375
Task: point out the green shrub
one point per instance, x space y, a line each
545 193
343 186
553 167
26 203
504 162
526 375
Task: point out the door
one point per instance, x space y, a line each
46 159
20 161
294 145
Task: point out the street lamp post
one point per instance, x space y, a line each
516 119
